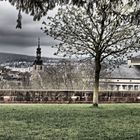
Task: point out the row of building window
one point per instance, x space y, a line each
124 87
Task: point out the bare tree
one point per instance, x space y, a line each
61 75
104 32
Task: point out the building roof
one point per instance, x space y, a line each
125 71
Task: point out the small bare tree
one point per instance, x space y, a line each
103 32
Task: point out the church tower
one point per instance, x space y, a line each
38 63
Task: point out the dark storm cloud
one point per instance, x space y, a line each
25 39
27 36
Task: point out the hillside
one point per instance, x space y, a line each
6 58
9 58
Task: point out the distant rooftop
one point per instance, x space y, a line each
125 71
135 61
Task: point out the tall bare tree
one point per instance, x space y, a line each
103 32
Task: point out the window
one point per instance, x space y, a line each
124 87
118 87
135 87
130 87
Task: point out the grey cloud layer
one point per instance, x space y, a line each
26 37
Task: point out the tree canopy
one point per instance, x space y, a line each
39 8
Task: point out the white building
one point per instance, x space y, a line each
124 78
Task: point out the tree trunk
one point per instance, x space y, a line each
96 82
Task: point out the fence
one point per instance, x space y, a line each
67 96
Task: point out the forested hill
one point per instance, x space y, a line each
10 58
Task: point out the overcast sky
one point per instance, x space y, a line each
22 41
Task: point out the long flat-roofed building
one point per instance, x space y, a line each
124 78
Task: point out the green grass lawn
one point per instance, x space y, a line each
70 122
